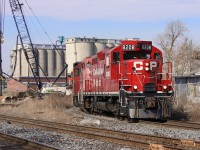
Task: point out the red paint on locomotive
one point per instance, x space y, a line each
127 80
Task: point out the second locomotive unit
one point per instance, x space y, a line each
128 80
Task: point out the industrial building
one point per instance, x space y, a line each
50 59
78 48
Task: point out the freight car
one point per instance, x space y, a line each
128 80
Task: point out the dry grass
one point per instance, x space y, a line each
186 110
51 108
59 101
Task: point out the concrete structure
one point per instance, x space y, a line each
51 61
78 48
42 57
60 57
187 88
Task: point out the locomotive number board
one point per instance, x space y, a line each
128 47
146 47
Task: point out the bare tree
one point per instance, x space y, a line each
177 47
183 57
168 40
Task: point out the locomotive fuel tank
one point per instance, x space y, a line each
106 106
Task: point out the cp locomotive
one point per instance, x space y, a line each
127 80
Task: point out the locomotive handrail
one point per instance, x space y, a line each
150 77
166 73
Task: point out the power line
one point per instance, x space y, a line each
43 29
48 38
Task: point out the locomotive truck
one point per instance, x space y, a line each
128 80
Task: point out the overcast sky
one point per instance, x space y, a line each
115 19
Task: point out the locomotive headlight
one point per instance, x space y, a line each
147 64
147 68
135 87
165 87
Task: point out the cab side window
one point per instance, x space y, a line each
77 72
116 56
157 56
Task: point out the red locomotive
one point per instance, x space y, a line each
128 80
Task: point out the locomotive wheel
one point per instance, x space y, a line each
116 112
86 105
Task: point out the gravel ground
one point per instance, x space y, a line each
75 116
115 124
60 141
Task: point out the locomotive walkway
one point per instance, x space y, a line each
10 142
118 137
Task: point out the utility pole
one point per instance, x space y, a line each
1 76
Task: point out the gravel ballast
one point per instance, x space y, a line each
60 141
115 124
46 110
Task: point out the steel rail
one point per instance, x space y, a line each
23 143
118 137
175 124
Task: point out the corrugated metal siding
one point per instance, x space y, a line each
188 88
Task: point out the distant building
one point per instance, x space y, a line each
51 62
78 48
187 88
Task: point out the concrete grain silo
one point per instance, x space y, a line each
59 61
16 62
42 58
110 45
48 59
51 62
77 49
24 65
99 46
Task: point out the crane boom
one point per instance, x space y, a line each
25 39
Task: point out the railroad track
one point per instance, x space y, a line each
118 137
175 124
16 143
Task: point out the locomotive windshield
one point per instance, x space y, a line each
135 55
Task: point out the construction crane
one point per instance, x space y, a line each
25 39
